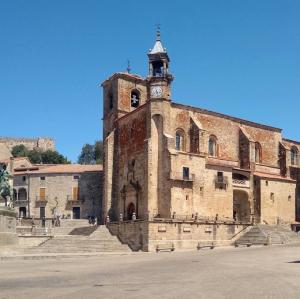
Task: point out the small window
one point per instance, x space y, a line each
294 156
135 99
43 178
212 146
267 183
76 177
258 153
272 196
24 178
220 176
186 173
42 194
179 140
111 101
75 194
186 197
289 198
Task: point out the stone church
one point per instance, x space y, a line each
178 170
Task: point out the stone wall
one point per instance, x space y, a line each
146 235
277 201
30 143
8 235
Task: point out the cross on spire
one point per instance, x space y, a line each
158 32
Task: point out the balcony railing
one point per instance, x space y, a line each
21 202
179 176
72 198
221 182
75 200
240 183
41 199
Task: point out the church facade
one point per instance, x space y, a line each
167 162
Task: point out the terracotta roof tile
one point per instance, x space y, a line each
66 168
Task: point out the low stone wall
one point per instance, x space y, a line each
133 233
8 235
146 235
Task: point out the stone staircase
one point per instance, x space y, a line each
85 239
273 234
68 225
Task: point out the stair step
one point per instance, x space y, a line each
84 239
259 235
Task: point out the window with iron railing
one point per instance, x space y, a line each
221 182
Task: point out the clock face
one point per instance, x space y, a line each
156 91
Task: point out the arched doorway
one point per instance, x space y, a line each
130 210
241 206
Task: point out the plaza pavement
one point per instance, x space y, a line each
261 272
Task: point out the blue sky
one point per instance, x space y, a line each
236 57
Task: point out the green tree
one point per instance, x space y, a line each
91 153
53 157
87 155
37 156
19 151
99 151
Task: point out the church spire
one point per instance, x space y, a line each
158 47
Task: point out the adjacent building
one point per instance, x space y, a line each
74 191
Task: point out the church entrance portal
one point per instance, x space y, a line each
241 206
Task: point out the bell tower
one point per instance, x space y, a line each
159 76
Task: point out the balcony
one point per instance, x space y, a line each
240 180
74 201
240 183
221 182
21 202
41 199
179 176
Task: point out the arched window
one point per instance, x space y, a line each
258 153
22 195
15 194
135 98
212 146
179 140
158 69
294 156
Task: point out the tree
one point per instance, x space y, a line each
87 155
53 157
37 156
99 151
91 153
19 151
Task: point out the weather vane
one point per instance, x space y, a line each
157 31
128 66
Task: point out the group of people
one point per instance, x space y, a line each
92 220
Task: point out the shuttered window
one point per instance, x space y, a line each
75 193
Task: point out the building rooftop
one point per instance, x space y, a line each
61 168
